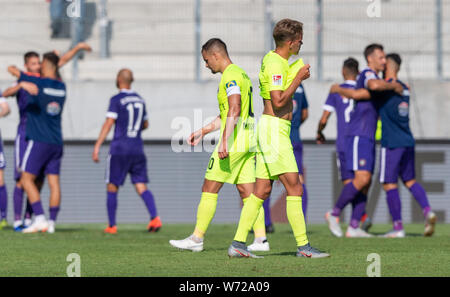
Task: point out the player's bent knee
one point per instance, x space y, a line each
409 183
112 188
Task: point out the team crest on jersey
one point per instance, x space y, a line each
294 106
362 162
277 80
403 109
53 108
230 84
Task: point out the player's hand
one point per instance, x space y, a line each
334 88
95 154
195 137
84 46
29 87
320 138
223 150
398 88
304 72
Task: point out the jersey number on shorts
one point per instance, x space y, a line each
211 163
134 120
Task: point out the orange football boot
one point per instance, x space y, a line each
111 230
154 225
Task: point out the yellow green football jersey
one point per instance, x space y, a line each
293 70
273 74
235 81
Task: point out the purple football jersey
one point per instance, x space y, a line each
128 109
343 107
363 119
22 101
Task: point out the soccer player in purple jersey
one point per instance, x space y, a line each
343 107
397 154
4 111
127 112
44 150
360 140
32 65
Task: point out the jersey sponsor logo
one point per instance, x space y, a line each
277 80
54 92
403 109
231 84
53 108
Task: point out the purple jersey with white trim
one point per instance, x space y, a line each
128 109
363 119
343 107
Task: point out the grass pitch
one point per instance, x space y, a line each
135 252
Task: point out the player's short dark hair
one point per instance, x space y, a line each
215 43
54 59
29 55
395 57
352 65
371 48
286 30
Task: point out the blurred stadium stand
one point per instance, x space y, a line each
156 38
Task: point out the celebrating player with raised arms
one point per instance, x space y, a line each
360 140
44 149
233 160
4 111
397 153
126 154
32 66
275 157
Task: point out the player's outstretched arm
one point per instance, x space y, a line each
234 111
14 71
320 138
101 138
358 94
281 98
4 108
11 91
196 136
72 52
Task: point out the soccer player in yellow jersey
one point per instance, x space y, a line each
233 160
275 157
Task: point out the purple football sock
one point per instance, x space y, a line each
304 200
359 208
398 225
420 195
3 201
149 201
266 206
394 204
28 210
37 208
54 213
348 194
18 203
111 204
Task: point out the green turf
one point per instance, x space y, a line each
134 252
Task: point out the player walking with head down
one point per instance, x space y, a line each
275 157
126 155
233 160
